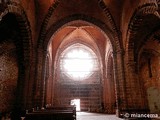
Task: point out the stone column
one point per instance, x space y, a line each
120 90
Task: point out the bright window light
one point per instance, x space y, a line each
78 62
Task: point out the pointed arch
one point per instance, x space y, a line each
114 36
25 38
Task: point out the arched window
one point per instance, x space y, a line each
78 62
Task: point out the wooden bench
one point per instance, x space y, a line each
50 116
52 113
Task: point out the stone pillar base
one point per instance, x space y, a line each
117 113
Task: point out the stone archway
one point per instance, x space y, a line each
45 37
135 38
23 53
56 67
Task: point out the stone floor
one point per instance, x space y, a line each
95 116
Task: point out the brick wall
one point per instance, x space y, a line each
8 75
89 95
150 74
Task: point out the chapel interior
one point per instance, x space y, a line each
102 56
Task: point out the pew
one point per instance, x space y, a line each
52 113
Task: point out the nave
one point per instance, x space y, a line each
103 53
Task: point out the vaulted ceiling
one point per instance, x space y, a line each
81 32
118 16
80 6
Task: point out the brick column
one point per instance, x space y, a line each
135 102
38 82
119 82
134 93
